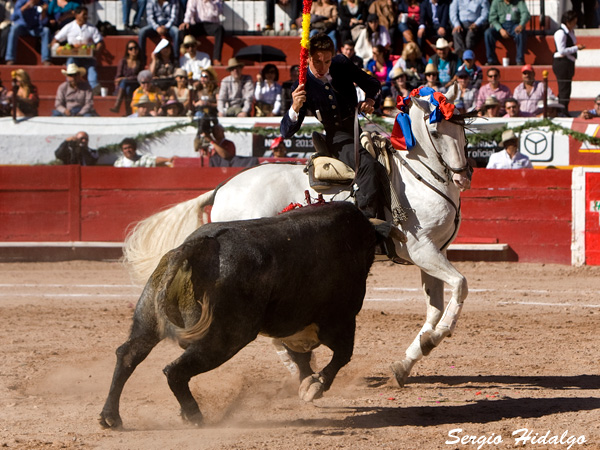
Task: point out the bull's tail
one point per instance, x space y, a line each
173 273
154 236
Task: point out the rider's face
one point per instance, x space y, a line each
319 63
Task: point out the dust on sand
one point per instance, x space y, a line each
524 356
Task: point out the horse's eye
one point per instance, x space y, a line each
435 134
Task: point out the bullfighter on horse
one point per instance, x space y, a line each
330 94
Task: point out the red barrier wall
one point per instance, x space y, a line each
592 218
72 203
528 209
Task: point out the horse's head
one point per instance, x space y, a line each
441 134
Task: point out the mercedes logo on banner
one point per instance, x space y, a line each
538 146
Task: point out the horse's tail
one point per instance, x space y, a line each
151 238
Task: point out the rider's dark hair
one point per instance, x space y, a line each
321 43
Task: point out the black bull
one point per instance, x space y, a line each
300 277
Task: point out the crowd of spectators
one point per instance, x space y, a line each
390 39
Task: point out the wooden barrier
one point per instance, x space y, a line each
72 203
530 210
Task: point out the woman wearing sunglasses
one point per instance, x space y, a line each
126 80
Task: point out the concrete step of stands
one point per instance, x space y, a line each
28 48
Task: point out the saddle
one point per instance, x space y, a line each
324 169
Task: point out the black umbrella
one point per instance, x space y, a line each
261 53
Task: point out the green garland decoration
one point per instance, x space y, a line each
496 134
472 138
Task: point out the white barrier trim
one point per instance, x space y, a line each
578 211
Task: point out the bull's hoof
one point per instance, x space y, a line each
195 418
311 388
401 370
108 420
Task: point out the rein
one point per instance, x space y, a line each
437 176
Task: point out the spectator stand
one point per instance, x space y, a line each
242 19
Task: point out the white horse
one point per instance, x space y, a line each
427 180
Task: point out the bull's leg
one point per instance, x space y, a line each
201 356
342 345
129 355
302 361
439 322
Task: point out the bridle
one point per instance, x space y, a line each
448 168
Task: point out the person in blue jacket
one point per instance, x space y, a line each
330 94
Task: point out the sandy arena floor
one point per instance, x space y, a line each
525 356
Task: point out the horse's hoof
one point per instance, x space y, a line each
401 370
311 388
108 420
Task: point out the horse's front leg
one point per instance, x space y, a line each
439 322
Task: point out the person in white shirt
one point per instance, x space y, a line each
132 158
78 33
203 17
193 60
510 157
267 92
563 64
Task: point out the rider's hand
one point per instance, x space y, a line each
298 98
368 106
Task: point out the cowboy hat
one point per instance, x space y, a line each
431 68
73 69
233 63
173 103
389 103
179 72
189 39
508 135
143 101
552 102
441 43
491 101
397 72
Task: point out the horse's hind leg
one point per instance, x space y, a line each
142 340
439 322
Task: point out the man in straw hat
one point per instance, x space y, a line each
193 61
490 108
236 93
145 107
202 17
445 61
510 157
79 33
330 94
74 97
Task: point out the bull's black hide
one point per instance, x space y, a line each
230 281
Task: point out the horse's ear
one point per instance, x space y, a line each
423 105
452 92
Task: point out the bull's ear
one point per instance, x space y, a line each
452 92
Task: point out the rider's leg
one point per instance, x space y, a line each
368 178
